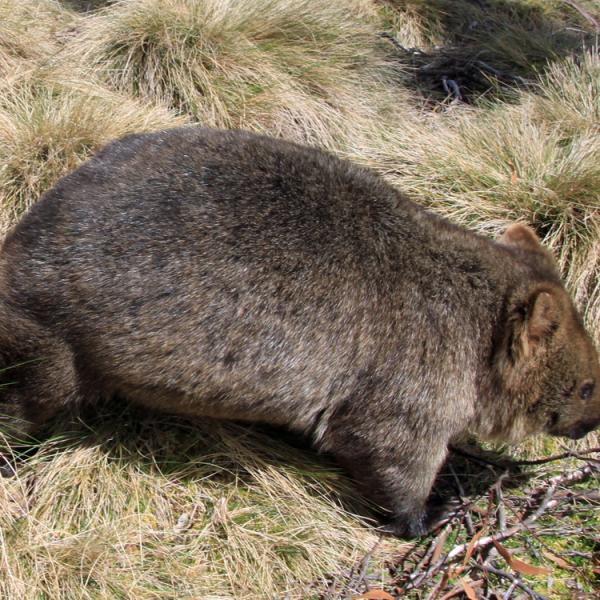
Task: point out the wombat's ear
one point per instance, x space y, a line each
540 321
523 237
544 315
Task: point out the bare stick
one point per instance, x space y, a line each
510 591
512 578
461 491
500 510
546 502
537 461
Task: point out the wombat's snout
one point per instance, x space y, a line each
582 428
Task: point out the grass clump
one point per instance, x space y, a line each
569 95
473 43
307 70
29 33
51 121
165 509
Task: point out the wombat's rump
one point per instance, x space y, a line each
230 275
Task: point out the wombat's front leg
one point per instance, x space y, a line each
395 470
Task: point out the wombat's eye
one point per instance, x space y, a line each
586 390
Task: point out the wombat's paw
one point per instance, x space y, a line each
407 526
420 523
441 511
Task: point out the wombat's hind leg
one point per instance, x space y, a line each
37 376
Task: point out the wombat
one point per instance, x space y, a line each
225 274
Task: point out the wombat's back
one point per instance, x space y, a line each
213 272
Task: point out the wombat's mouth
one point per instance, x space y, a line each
580 429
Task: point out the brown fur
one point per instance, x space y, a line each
230 275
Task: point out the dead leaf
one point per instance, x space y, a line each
561 562
455 591
479 510
527 569
471 546
374 595
455 571
469 591
518 565
439 547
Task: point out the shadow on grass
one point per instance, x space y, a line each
226 452
86 5
483 46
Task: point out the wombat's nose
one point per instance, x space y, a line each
582 428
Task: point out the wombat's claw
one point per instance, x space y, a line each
443 512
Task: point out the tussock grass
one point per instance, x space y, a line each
473 42
50 121
303 69
534 160
570 95
495 27
29 34
166 509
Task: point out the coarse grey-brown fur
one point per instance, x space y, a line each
225 274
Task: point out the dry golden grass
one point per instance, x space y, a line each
166 509
156 508
28 33
516 36
477 44
48 127
303 69
50 121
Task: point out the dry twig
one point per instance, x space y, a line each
546 491
516 581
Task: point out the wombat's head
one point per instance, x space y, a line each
550 364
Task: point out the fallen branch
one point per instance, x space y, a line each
515 581
467 515
578 454
547 501
358 577
431 554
